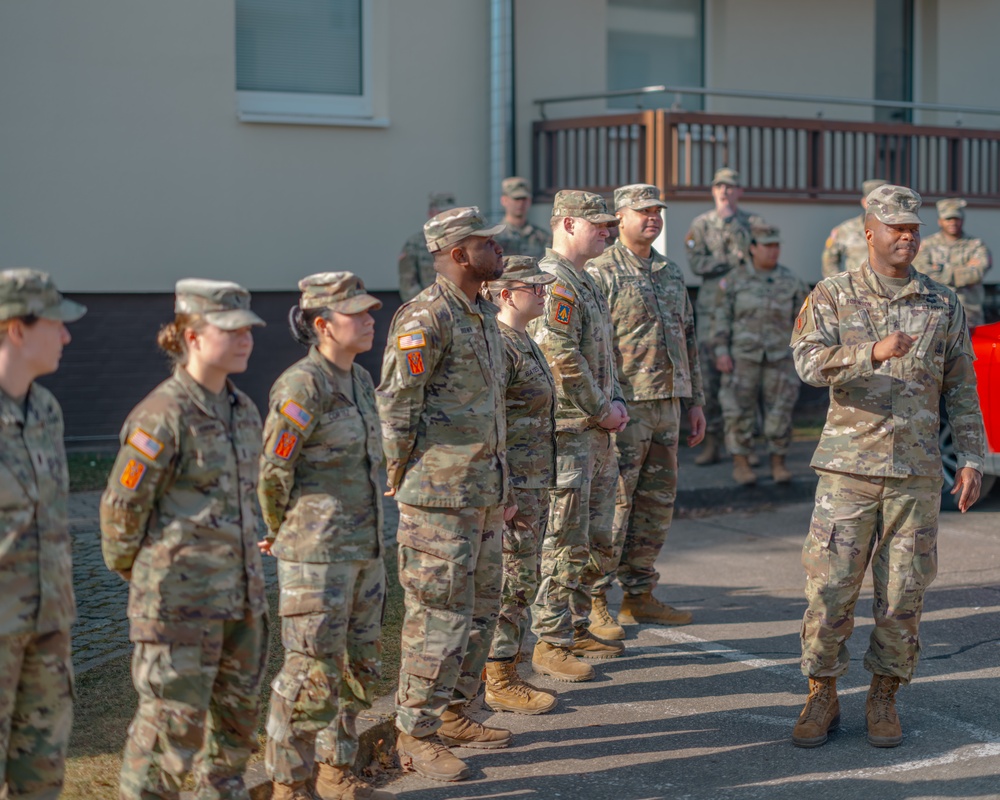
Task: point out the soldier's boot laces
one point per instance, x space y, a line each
602 624
884 729
743 473
559 663
779 471
506 691
586 645
521 658
295 791
339 783
709 451
460 730
645 608
820 715
427 756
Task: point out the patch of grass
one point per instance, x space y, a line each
89 471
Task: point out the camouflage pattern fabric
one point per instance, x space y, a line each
772 386
960 266
846 247
450 571
891 523
527 240
883 418
199 695
36 712
416 267
332 662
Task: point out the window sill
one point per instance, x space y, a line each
313 119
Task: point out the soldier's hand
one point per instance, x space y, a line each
895 345
390 493
970 482
509 512
724 363
265 546
625 416
696 416
613 420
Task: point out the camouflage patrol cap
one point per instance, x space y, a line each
894 205
224 304
727 176
451 226
871 185
515 188
338 291
585 205
638 196
524 269
440 200
951 208
31 293
766 234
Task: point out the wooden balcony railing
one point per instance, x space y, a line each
801 160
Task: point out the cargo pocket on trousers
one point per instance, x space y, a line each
285 689
816 554
434 566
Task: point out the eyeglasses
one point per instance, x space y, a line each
537 289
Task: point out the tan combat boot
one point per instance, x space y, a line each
820 715
884 729
559 663
505 691
297 791
639 608
779 471
460 730
586 645
427 756
743 474
709 451
521 658
602 624
753 460
339 783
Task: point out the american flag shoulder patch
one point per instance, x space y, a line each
564 292
296 413
148 445
411 340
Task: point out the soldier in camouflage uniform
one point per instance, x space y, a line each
520 237
717 242
530 404
890 343
846 247
180 522
576 337
752 325
416 265
654 336
441 403
957 260
321 504
37 606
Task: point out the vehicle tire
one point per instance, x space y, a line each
949 462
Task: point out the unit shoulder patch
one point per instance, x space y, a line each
296 413
285 445
562 312
148 445
132 474
415 362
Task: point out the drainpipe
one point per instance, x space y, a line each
501 99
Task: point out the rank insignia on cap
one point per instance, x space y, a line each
563 313
285 445
296 414
562 291
408 341
415 361
132 474
145 444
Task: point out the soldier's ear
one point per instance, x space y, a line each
459 256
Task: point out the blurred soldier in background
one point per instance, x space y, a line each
520 237
416 264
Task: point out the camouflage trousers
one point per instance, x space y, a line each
647 489
892 524
771 384
199 695
331 628
522 543
711 381
450 571
578 548
36 713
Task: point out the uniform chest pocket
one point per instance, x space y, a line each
339 433
924 327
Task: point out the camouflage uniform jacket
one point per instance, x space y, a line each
883 419
653 319
577 338
36 567
526 241
846 248
756 313
319 486
531 405
959 265
416 267
180 510
441 401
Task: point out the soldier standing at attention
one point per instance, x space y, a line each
577 339
416 265
846 247
957 260
891 344
752 325
441 403
530 401
520 237
321 504
717 242
37 606
654 333
180 523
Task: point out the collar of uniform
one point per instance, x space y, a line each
321 361
12 411
201 396
519 339
723 221
451 288
562 268
658 261
915 286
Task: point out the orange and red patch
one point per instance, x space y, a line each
415 361
132 474
285 445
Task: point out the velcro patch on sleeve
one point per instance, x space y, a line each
132 474
415 362
146 444
804 322
296 413
409 341
562 313
829 241
564 292
285 445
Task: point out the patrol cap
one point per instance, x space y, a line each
440 200
766 234
638 196
951 208
585 205
515 188
727 176
339 291
524 269
871 185
28 292
894 205
224 304
451 226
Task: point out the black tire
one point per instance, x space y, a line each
949 463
